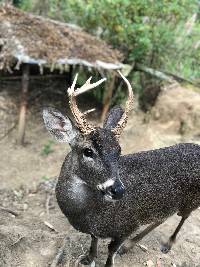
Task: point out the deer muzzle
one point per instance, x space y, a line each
112 189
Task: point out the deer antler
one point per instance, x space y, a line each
129 104
80 117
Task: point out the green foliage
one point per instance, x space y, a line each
17 3
159 34
47 148
137 27
45 178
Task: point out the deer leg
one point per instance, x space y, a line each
112 251
89 258
166 247
132 242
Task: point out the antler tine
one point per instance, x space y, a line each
88 81
88 86
80 117
71 89
129 104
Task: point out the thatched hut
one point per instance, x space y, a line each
27 40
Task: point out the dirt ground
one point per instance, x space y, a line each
32 237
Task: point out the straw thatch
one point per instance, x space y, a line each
26 38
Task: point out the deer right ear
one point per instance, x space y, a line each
113 117
59 126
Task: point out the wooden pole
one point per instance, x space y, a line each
108 97
23 104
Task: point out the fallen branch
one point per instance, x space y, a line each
181 79
156 73
163 75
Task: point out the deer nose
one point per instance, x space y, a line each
112 189
117 190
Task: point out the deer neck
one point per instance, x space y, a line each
73 194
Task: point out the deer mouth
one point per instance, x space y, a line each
112 190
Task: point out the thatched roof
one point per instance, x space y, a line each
26 38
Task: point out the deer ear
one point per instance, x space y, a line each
59 126
113 117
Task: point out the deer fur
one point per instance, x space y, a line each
157 184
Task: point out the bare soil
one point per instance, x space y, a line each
32 237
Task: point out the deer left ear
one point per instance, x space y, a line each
59 126
113 117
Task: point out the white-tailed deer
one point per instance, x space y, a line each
109 195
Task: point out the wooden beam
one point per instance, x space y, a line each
35 77
23 104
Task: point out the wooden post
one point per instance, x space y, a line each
108 97
69 76
23 104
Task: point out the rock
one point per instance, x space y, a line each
149 263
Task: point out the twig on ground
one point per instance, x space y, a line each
144 248
10 211
50 226
47 204
18 240
8 131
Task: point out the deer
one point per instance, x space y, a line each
108 195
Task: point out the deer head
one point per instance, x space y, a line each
95 150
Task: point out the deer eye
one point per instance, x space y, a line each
87 152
